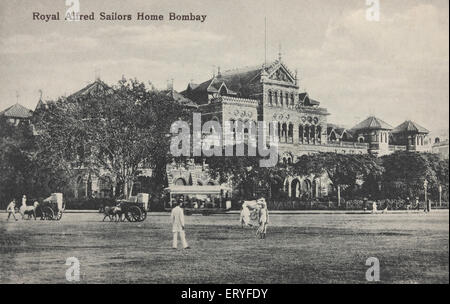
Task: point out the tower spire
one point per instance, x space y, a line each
265 41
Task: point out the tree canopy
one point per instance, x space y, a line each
118 131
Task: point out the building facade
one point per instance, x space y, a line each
269 93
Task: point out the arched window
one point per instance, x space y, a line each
281 99
270 97
291 133
312 133
300 134
284 132
276 98
292 99
286 97
180 182
319 133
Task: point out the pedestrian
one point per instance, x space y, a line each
263 219
11 209
408 204
417 204
374 207
428 205
177 218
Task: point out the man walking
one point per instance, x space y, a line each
11 209
177 217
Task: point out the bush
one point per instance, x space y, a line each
88 203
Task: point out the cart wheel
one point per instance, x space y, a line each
59 215
143 216
133 214
48 213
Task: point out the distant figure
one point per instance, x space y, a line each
374 207
408 204
417 204
11 209
428 206
365 204
177 217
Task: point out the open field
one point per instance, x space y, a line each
319 248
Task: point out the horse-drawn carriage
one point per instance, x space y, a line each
133 209
52 208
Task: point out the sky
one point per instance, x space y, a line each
396 68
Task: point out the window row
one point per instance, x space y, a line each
280 98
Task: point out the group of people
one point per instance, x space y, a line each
426 209
23 210
259 211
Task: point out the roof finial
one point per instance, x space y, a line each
279 51
265 41
17 96
218 71
97 74
40 94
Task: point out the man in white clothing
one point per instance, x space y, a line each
11 209
177 217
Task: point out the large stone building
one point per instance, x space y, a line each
269 93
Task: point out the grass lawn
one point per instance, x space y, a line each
321 248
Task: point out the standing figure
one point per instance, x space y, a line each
263 219
417 204
428 206
374 207
177 217
11 209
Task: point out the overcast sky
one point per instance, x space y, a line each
396 68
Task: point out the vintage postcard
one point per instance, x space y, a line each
224 142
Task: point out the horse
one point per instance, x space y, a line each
29 210
114 213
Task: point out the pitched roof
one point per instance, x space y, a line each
236 80
17 111
409 126
93 88
372 123
181 99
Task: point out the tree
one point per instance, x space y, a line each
244 173
341 169
405 173
23 170
119 130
